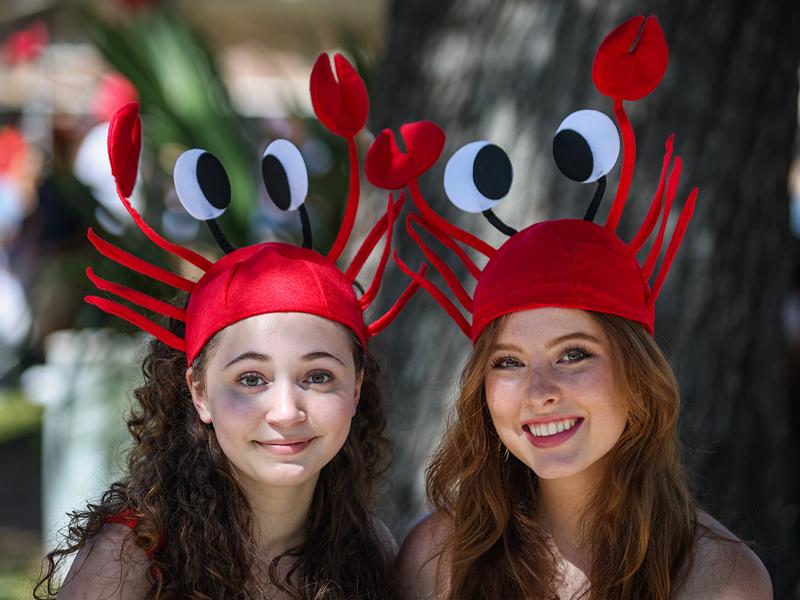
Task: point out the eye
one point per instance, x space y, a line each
285 175
574 355
251 380
319 378
478 176
202 184
586 145
506 362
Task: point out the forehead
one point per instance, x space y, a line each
542 324
284 333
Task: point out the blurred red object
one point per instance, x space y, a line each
25 45
114 92
12 150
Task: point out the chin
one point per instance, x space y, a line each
286 475
556 466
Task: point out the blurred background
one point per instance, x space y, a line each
231 76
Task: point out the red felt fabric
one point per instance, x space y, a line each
631 60
388 167
134 263
267 278
390 315
374 286
341 106
350 206
372 239
566 263
124 146
262 278
655 205
134 318
158 306
445 226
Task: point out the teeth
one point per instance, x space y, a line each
552 428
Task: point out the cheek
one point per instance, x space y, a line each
234 412
503 400
332 413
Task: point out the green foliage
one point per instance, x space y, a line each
17 415
184 102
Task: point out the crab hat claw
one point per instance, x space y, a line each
341 103
124 146
631 60
390 168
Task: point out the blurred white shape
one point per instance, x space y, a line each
15 316
93 169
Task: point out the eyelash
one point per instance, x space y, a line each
244 376
498 363
327 374
262 381
584 354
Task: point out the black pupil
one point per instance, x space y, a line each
276 181
491 172
573 155
213 180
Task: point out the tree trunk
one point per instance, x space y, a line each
509 72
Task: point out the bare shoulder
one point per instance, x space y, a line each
418 559
110 565
724 567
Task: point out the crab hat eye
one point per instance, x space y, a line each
586 145
285 175
202 184
478 176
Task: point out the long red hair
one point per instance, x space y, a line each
640 522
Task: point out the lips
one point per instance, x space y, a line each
286 447
546 434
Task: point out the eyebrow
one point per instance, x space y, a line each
251 355
578 335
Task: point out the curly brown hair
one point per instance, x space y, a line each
641 521
210 553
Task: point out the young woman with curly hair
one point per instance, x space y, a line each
253 474
258 432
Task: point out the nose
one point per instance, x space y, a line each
285 407
543 387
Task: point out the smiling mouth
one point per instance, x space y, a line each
554 433
286 447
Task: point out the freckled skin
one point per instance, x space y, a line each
571 378
301 386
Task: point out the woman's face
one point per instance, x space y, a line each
280 390
550 391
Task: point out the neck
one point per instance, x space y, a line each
561 505
281 514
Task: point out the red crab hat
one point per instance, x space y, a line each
569 263
262 278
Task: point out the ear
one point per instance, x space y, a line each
357 393
198 397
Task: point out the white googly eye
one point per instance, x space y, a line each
477 176
202 184
586 145
285 175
